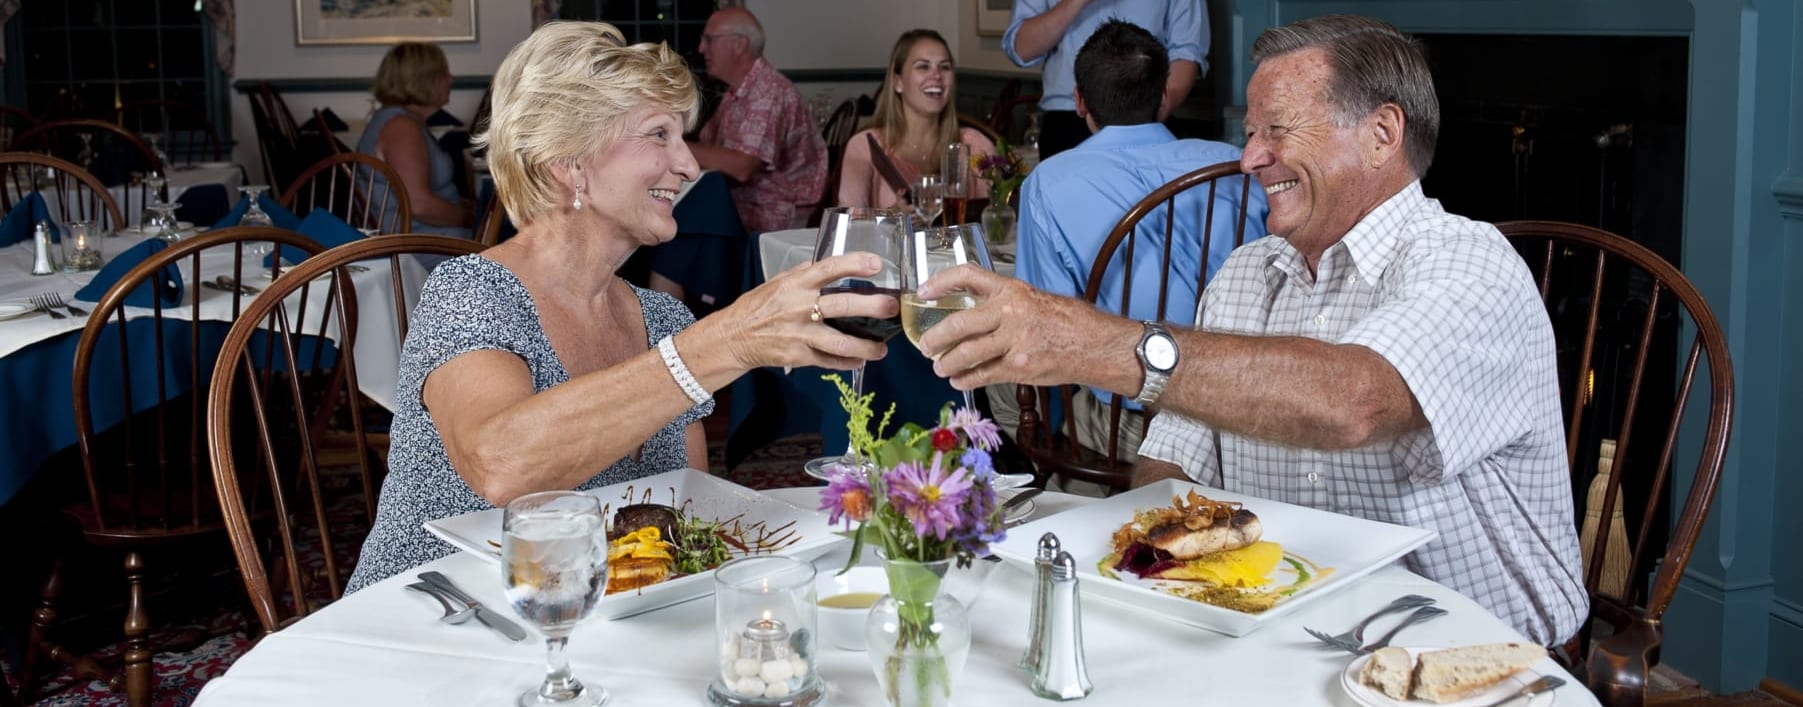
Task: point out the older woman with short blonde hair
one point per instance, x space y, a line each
530 366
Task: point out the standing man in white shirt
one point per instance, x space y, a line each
1377 357
1051 32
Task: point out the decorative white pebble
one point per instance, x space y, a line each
776 689
779 670
746 667
749 687
800 666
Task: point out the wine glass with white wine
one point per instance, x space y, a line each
931 251
554 565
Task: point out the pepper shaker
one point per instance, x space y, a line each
42 263
1061 674
1042 590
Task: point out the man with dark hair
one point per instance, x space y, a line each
1379 357
1070 202
1051 32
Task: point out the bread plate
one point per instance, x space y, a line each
1371 697
1338 550
806 532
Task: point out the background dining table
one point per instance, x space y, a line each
37 352
384 646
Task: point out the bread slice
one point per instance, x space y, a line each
1391 671
1456 673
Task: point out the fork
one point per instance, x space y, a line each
43 305
1420 615
56 300
1355 636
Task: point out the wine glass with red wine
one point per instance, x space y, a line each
883 232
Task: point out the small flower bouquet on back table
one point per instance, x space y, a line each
924 497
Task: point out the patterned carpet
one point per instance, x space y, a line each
226 632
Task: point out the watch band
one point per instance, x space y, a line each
1155 378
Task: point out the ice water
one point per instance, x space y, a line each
556 568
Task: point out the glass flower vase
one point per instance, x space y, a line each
998 222
918 635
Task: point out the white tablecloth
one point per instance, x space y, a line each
378 351
781 250
384 646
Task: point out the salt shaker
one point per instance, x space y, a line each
1061 674
1042 590
42 263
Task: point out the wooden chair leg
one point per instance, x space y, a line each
138 672
37 644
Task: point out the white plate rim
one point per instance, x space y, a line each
14 310
1370 697
1020 546
663 594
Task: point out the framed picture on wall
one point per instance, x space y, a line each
383 21
993 16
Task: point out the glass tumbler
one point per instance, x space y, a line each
764 631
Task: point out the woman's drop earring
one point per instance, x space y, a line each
577 202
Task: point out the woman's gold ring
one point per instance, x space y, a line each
815 315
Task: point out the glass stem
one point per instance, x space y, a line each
857 389
559 684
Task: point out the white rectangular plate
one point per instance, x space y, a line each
1350 547
708 497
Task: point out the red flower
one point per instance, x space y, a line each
945 440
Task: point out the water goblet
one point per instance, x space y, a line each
254 215
554 566
929 252
169 229
86 156
155 142
928 200
850 230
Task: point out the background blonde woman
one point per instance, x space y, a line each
915 119
531 366
413 82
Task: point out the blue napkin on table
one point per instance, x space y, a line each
282 217
324 228
204 203
144 295
25 215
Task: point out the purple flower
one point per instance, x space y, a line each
979 464
847 494
985 526
982 432
932 498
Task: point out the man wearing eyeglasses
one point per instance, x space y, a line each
762 136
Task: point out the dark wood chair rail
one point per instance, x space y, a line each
1056 455
1617 665
286 425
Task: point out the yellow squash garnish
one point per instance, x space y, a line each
646 542
1249 566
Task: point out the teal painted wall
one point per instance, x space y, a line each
1739 613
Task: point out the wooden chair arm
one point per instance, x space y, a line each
1619 664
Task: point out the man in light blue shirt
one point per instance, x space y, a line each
1050 32
1070 202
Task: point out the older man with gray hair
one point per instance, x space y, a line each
1376 356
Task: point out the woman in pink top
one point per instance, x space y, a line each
914 121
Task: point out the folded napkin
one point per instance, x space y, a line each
204 203
25 216
144 295
324 228
282 217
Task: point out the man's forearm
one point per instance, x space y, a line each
1291 390
734 164
1041 32
1177 86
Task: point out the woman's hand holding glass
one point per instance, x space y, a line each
773 324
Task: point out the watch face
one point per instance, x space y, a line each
1161 352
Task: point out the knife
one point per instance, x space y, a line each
490 617
1020 498
889 172
1545 683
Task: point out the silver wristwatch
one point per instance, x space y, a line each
1158 358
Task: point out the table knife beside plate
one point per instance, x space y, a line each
487 616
